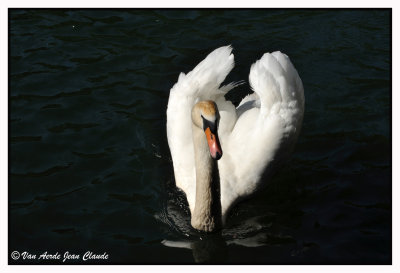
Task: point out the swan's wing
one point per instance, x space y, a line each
269 121
202 83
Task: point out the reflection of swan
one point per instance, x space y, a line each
252 232
208 249
249 141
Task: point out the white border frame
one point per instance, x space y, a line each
5 4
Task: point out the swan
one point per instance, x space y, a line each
222 154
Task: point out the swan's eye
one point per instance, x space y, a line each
210 124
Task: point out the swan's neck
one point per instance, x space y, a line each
207 209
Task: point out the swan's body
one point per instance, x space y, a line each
254 137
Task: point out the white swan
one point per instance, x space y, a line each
252 139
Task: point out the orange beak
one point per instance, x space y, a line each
213 144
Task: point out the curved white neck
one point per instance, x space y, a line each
207 210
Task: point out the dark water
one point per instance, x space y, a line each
90 168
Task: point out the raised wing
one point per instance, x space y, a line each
275 80
268 123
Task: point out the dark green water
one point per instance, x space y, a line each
89 164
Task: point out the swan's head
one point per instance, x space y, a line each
205 115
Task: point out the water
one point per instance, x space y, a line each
90 168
